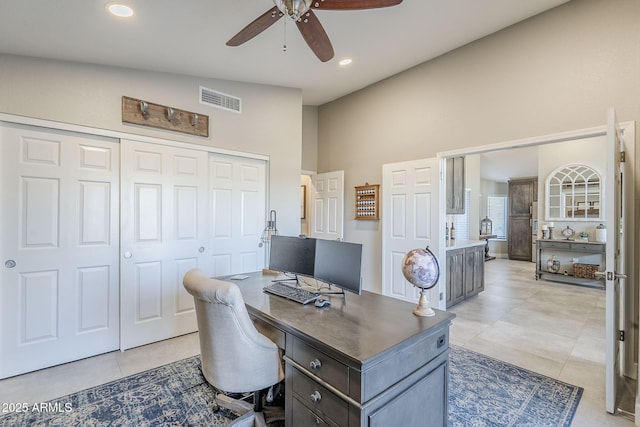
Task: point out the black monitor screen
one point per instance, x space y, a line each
292 255
339 263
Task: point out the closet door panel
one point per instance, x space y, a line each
164 233
60 228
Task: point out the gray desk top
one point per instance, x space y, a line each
361 328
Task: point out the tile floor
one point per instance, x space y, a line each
550 328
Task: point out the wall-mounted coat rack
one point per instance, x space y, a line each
139 112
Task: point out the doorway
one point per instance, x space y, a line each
548 148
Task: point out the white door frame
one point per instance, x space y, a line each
628 128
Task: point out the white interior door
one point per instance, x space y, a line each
614 259
410 201
59 216
327 205
238 203
164 234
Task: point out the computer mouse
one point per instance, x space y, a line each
321 302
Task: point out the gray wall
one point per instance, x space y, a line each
558 71
88 95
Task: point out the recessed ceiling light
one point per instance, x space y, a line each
120 10
345 62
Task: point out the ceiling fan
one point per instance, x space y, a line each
307 22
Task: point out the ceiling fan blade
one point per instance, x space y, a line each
260 24
353 4
315 36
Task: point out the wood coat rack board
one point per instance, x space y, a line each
139 112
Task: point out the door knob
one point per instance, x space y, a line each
201 249
9 263
128 255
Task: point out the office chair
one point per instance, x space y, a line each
235 357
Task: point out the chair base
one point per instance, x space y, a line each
268 416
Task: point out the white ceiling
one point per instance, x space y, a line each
503 165
188 37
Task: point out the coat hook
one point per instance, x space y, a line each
171 115
194 120
144 109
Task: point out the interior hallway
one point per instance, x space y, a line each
551 328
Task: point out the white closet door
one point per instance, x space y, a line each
59 216
410 197
164 234
238 203
327 205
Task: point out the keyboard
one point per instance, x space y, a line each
302 296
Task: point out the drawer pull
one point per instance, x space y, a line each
315 364
316 397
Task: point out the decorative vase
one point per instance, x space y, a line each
553 265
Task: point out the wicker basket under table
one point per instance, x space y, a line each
585 271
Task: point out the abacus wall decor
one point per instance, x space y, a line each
139 112
367 201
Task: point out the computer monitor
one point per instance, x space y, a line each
292 255
339 263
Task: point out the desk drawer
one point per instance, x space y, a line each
318 399
303 417
321 365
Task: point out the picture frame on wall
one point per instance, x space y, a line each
303 201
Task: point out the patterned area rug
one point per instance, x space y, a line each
482 392
488 392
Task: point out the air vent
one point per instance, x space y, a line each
220 100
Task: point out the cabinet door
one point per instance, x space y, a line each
455 185
520 238
473 270
455 276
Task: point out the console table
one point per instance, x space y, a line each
568 249
365 361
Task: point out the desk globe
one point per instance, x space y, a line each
420 267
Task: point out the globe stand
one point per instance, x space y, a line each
423 308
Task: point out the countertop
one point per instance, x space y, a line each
460 244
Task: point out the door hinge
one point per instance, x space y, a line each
621 335
623 156
441 296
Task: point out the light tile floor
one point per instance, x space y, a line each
550 328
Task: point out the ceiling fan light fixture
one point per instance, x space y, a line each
294 9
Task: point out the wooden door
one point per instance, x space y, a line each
410 195
519 237
59 290
164 234
238 204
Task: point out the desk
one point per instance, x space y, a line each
364 361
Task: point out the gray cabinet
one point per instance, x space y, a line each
522 194
465 273
455 185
